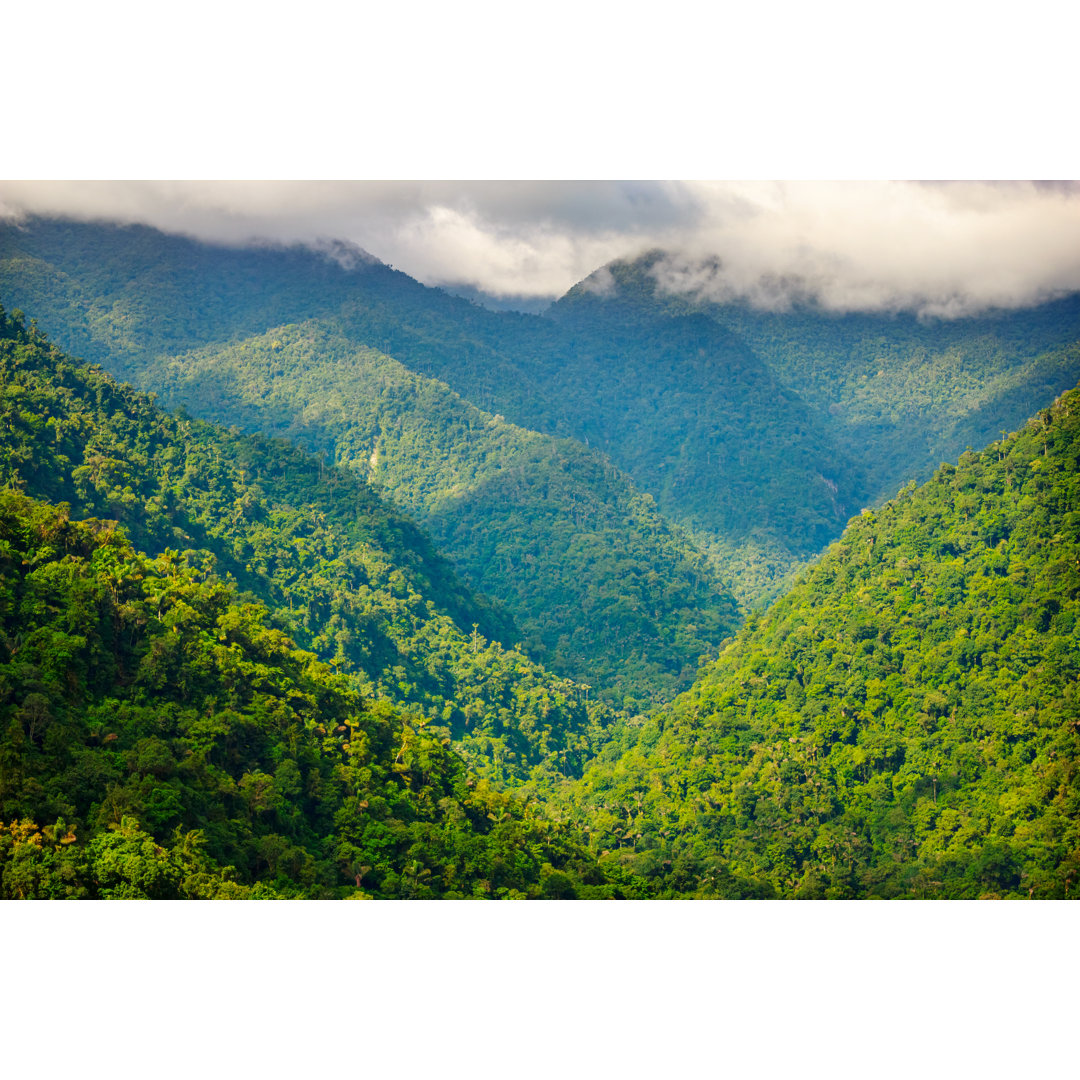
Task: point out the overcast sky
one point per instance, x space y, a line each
948 248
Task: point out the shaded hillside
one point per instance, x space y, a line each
736 459
745 467
343 574
124 294
898 393
758 432
600 585
688 410
904 722
160 739
581 547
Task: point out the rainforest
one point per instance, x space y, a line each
317 581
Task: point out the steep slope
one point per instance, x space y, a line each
128 293
343 574
695 416
758 432
679 405
899 393
682 406
905 722
159 739
601 586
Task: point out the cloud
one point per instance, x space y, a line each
515 237
936 248
521 257
946 249
600 283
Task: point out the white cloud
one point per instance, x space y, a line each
600 282
940 249
948 248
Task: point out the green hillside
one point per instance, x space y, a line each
904 722
897 393
160 739
738 460
760 433
696 417
601 587
229 668
343 574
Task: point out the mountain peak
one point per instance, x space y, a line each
345 253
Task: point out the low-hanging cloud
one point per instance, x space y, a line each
944 249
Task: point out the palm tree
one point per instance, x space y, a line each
415 873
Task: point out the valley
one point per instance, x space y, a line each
323 582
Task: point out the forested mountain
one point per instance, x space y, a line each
696 417
162 740
343 574
244 674
161 736
685 409
904 722
601 587
896 392
761 433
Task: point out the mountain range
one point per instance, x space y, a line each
514 539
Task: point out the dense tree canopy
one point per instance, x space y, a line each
343 573
904 722
579 546
160 738
759 432
232 666
898 393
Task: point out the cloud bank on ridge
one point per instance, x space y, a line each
948 249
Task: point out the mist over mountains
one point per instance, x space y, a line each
606 492
696 413
947 248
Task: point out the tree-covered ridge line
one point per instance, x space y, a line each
758 432
197 321
600 585
117 293
343 574
750 468
904 722
900 392
702 423
160 738
678 403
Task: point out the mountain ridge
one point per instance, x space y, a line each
486 444
904 722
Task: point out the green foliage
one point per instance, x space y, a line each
343 574
184 748
560 537
896 393
601 586
758 432
905 722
